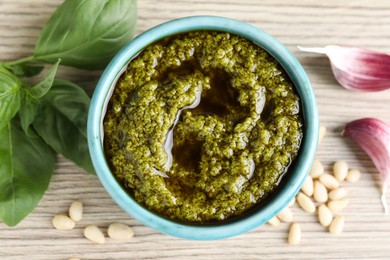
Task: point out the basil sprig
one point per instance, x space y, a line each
38 121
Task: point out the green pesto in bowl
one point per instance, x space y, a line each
202 126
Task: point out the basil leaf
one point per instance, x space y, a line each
25 70
26 166
44 86
9 96
28 111
87 33
62 122
30 99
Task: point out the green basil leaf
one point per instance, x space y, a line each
26 166
28 110
62 122
44 86
87 33
9 96
30 99
25 70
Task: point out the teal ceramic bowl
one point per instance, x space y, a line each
296 174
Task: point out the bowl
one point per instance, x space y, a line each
291 183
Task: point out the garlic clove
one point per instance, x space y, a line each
373 136
357 69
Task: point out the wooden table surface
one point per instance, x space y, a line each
303 22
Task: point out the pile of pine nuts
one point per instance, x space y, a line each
116 231
322 193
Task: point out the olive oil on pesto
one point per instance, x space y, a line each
202 126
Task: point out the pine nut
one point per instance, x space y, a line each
76 211
321 133
306 203
353 175
337 225
325 216
291 203
307 186
329 181
295 234
338 194
340 170
320 193
120 231
274 221
337 205
62 222
316 169
286 215
94 234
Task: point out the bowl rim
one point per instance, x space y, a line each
302 163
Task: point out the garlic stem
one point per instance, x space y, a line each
383 199
313 49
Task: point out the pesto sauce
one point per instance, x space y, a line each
202 126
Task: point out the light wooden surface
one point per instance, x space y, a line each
307 23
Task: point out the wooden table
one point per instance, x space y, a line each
308 23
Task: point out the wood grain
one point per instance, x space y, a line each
307 23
